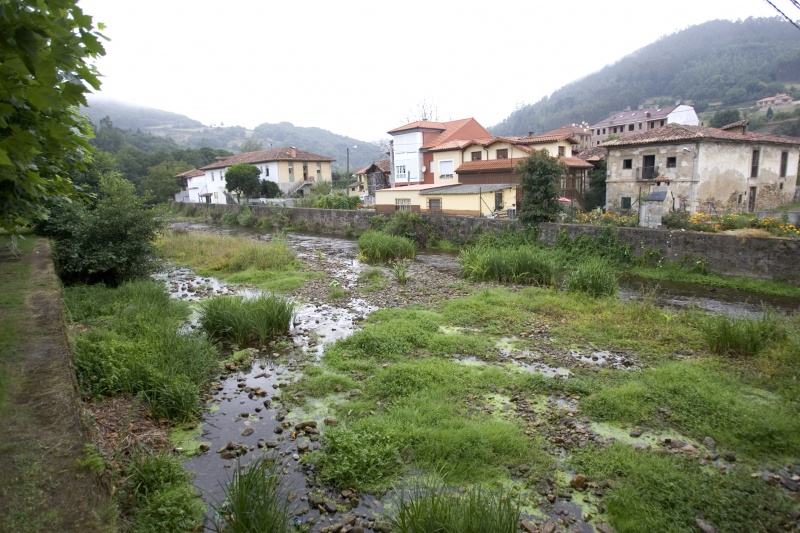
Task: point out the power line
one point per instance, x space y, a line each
784 15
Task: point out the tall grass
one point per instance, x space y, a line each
255 500
430 506
594 277
525 264
134 347
378 247
228 254
244 320
725 335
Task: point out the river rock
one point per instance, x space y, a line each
549 527
247 432
708 442
302 447
704 526
578 482
330 507
605 528
303 425
271 444
315 501
528 526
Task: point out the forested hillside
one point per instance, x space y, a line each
715 63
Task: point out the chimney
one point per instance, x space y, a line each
292 152
641 106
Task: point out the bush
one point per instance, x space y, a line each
527 264
255 500
406 224
228 254
740 336
376 246
243 320
246 217
430 506
108 242
337 201
230 218
593 277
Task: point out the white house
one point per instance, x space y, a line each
628 123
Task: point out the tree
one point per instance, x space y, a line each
538 174
160 183
270 189
251 145
107 240
724 117
45 71
770 113
242 179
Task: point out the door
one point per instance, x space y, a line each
751 201
498 200
648 167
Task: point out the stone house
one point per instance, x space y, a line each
706 169
629 123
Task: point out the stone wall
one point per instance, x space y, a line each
757 257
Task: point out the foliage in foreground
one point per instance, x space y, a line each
659 492
431 506
255 500
594 277
135 347
244 320
539 173
379 247
228 254
726 335
530 265
408 224
110 242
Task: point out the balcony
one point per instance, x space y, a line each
646 173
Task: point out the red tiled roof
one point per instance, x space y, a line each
656 113
416 187
540 139
466 128
420 124
384 165
737 124
682 133
571 129
489 165
460 144
595 153
190 173
575 162
277 154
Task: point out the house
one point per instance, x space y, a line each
629 123
706 169
580 132
777 100
192 184
293 170
371 178
411 147
475 200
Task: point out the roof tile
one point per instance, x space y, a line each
682 132
278 154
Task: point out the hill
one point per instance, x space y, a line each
717 63
181 131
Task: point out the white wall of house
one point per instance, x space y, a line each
683 114
269 171
407 158
215 184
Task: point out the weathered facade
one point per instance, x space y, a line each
706 169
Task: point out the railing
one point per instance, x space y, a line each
646 173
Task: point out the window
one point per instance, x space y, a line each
625 202
446 169
561 151
476 156
502 154
662 123
652 124
305 171
604 131
784 163
627 163
402 204
212 176
672 162
630 127
266 172
640 125
291 170
401 173
754 164
434 204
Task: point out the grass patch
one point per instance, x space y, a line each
656 492
594 277
674 272
725 335
379 247
228 255
255 500
530 265
134 347
431 506
245 320
701 401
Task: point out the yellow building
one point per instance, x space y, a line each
473 200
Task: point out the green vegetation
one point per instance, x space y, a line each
530 265
255 500
47 69
245 320
337 201
400 271
431 506
660 492
376 246
133 346
594 277
408 224
242 180
743 337
537 177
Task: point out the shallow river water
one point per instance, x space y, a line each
246 415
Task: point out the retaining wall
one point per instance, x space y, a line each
757 257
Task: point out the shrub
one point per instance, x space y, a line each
243 320
726 335
246 217
406 224
430 506
526 264
110 242
230 218
400 271
255 500
336 201
228 254
380 247
593 277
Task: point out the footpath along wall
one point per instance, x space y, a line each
764 258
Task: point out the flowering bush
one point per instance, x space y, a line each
599 218
777 227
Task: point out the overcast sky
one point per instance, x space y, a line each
360 68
